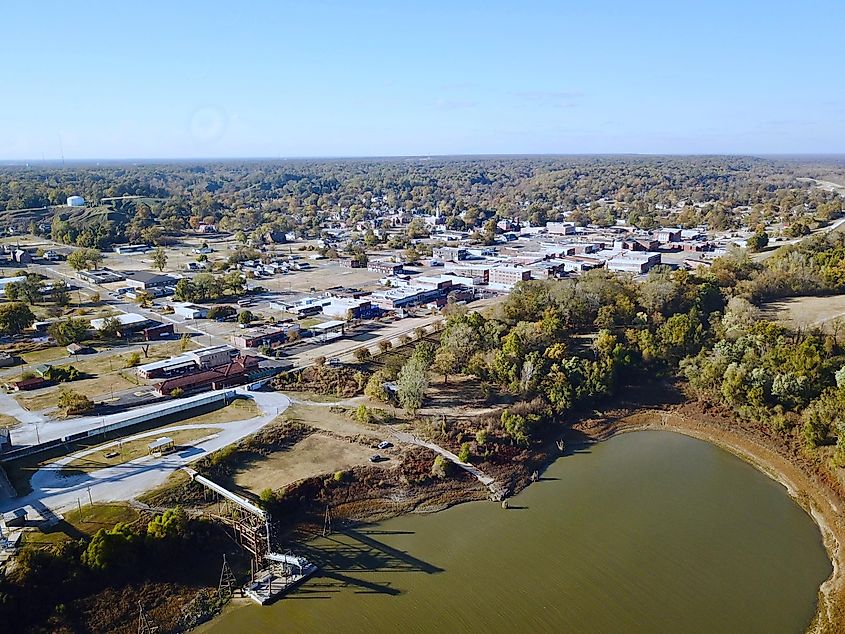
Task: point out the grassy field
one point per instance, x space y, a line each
240 409
315 455
77 524
7 421
130 450
809 312
332 419
94 388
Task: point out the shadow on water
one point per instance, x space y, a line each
357 550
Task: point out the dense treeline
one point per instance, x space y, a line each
40 594
305 195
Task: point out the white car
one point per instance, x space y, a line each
385 444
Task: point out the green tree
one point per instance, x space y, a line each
69 331
14 318
172 524
84 259
412 384
74 403
160 258
60 293
110 328
246 317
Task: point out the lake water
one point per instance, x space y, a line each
647 532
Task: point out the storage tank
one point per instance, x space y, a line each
75 201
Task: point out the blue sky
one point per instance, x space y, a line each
361 78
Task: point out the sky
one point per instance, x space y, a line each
213 79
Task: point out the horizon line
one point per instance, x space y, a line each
327 157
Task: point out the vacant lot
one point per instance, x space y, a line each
315 455
334 419
809 312
240 409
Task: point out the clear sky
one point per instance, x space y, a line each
188 79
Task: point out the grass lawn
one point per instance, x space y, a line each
95 388
315 455
7 421
239 409
77 524
130 450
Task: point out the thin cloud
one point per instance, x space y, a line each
552 98
454 104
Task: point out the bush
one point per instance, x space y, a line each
465 452
440 467
133 360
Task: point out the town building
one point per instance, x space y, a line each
264 336
240 370
506 277
449 254
561 228
144 280
75 201
384 267
129 323
128 249
193 361
190 311
633 262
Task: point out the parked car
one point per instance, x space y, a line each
377 458
384 444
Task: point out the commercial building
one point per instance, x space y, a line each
506 277
449 254
190 311
144 280
560 228
100 276
384 267
633 262
240 370
264 336
405 297
129 322
195 360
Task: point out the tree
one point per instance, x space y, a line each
184 342
115 549
758 241
172 524
375 387
28 289
362 355
14 318
160 258
110 328
133 360
94 298
74 403
69 331
246 317
412 384
83 259
60 293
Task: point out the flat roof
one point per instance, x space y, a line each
161 442
125 319
328 325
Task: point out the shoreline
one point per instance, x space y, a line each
689 418
815 498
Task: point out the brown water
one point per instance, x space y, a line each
647 532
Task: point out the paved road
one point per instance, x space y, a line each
37 429
53 493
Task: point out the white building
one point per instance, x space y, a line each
75 201
190 311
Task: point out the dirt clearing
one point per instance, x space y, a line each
315 455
